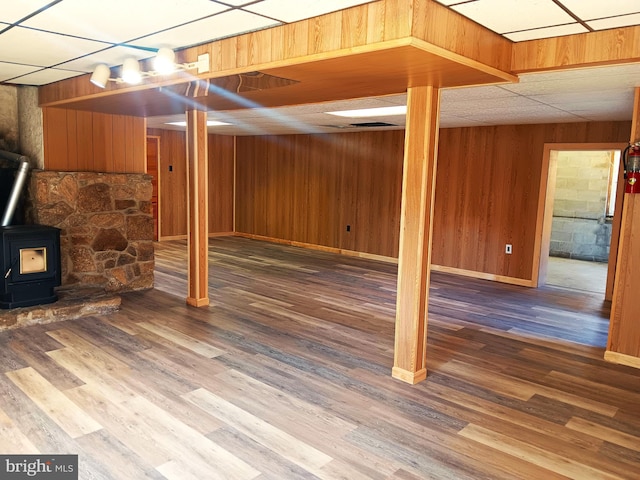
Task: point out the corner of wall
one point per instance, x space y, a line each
31 132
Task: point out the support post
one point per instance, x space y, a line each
197 211
416 227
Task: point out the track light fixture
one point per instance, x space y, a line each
163 64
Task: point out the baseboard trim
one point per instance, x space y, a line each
484 276
622 359
408 376
322 248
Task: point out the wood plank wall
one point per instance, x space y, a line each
613 46
221 183
173 183
308 188
78 141
487 192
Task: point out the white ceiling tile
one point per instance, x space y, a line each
532 108
111 57
226 24
546 32
11 12
293 10
591 9
235 3
23 45
473 93
615 22
457 122
11 70
395 99
602 96
503 16
448 2
44 77
120 20
513 102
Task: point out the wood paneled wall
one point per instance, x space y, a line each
487 188
221 183
78 141
613 46
173 183
308 188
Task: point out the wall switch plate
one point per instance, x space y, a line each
508 249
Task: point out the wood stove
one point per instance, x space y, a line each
29 264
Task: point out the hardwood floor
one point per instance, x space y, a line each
286 375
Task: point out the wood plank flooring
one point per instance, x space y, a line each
286 375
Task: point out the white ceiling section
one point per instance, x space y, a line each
520 20
44 41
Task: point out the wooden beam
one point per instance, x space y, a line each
197 212
416 226
623 345
606 47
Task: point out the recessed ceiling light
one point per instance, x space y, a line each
210 123
372 112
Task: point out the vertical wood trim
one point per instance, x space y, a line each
616 225
235 179
416 230
544 220
197 212
545 208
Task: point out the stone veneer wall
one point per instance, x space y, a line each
106 237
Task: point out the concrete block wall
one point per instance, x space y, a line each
580 228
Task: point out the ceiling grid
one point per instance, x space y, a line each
45 41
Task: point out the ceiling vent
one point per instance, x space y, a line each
373 124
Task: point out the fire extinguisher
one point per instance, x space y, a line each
631 161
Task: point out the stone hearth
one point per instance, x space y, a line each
106 237
72 303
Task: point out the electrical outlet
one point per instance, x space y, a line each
508 249
348 228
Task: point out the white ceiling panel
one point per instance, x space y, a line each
294 10
11 12
43 77
218 26
11 70
602 93
503 16
476 93
615 22
592 9
502 103
120 20
235 3
546 32
448 2
23 45
111 57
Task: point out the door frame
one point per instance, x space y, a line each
545 210
156 138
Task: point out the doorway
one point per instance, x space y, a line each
582 217
153 160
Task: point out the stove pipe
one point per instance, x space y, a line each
23 169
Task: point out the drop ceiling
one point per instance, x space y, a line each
44 41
